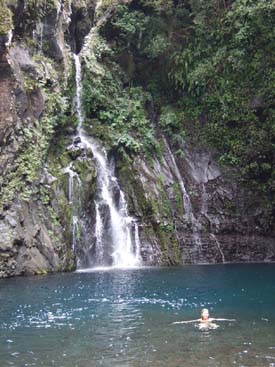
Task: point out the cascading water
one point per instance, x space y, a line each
138 245
73 198
113 228
189 214
186 199
38 35
218 247
72 177
204 211
99 228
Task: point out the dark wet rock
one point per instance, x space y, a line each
47 178
21 102
3 41
35 220
257 102
116 194
70 130
37 103
82 20
22 61
11 221
106 215
26 247
77 140
74 151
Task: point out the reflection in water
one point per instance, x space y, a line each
124 318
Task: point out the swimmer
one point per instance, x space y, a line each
205 322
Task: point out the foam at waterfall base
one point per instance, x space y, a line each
109 268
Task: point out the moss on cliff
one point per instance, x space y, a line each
168 243
39 8
6 23
35 134
152 204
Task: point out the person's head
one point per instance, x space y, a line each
204 314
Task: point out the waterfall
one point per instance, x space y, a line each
72 176
188 209
204 211
218 247
186 199
137 244
75 227
99 228
204 204
38 34
113 228
73 199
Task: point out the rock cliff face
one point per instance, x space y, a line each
213 220
188 210
34 62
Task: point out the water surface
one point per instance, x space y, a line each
124 318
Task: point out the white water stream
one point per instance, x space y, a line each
218 247
73 176
186 199
204 210
125 252
188 209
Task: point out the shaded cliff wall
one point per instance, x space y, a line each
230 223
35 216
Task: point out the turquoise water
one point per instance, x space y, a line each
124 318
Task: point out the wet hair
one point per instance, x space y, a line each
204 310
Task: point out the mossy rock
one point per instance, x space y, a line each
137 202
168 243
6 23
42 272
79 4
37 9
85 169
100 131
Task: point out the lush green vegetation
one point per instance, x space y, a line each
115 113
35 136
226 69
206 68
38 8
5 18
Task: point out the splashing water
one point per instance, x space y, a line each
137 244
73 199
